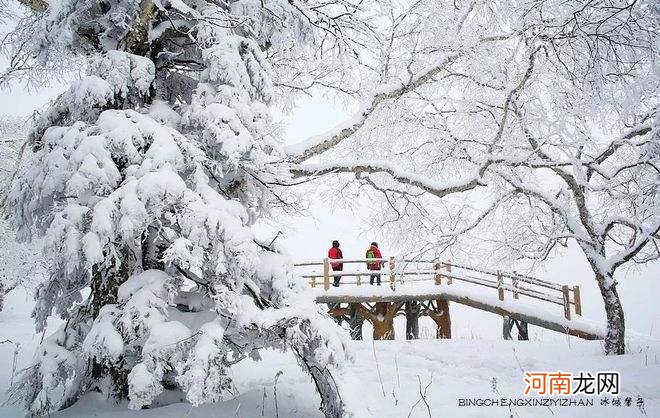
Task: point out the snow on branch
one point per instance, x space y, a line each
641 239
557 206
318 144
437 189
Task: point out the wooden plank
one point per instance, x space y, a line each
567 302
326 273
535 294
577 300
521 277
463 300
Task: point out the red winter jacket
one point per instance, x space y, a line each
335 253
374 252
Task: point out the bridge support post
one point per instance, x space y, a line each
507 327
337 312
448 266
383 322
382 318
412 309
326 273
355 321
577 300
523 334
566 297
439 312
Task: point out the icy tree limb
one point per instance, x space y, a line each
285 333
575 227
331 402
436 189
639 130
632 250
317 145
401 176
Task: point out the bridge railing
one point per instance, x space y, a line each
400 271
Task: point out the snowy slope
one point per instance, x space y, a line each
384 379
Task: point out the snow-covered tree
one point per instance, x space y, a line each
516 126
20 263
18 63
145 179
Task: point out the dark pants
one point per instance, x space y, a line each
337 278
374 276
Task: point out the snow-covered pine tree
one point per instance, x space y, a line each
145 179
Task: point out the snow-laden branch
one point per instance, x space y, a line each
625 139
438 189
554 204
642 238
318 144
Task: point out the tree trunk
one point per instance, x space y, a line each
616 326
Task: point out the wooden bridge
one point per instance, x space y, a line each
415 288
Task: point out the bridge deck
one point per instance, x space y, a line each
516 309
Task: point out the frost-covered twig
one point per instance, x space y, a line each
422 394
277 376
319 144
380 379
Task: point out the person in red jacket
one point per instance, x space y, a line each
374 252
335 253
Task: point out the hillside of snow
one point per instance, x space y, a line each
398 378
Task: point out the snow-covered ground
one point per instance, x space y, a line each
386 377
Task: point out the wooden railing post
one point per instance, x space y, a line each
500 289
567 301
448 266
358 279
438 276
392 278
326 273
577 300
514 282
313 281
